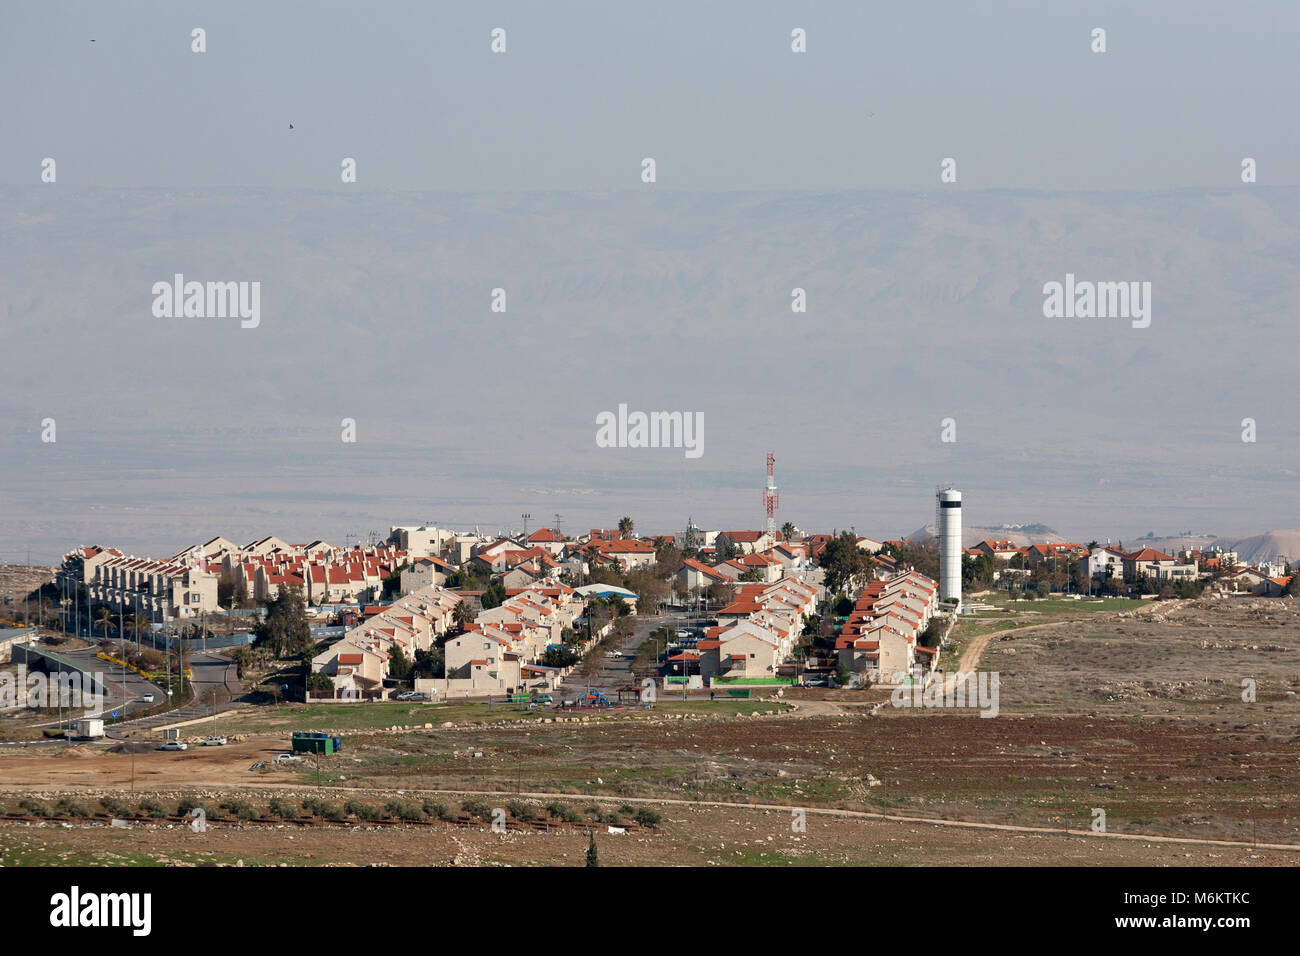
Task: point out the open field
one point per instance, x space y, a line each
17 581
689 835
382 715
1172 658
1136 712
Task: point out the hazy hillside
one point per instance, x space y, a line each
1268 546
921 306
973 535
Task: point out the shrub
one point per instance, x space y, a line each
284 809
522 811
406 812
115 806
647 817
70 807
189 803
627 809
153 807
477 808
362 811
35 807
327 811
556 809
239 809
437 811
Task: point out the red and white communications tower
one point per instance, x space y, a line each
771 500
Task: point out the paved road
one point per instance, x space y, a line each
122 688
210 672
617 672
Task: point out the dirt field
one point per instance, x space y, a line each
688 836
17 581
1138 714
1185 659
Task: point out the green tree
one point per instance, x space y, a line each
430 663
320 682
788 531
285 630
103 618
226 589
668 560
592 859
462 614
690 538
399 665
559 657
139 625
493 596
625 527
845 564
718 593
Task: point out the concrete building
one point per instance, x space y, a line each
948 502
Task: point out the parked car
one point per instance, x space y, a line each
816 682
543 700
215 742
285 758
419 696
175 745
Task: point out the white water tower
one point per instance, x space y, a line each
948 520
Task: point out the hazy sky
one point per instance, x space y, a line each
711 90
775 170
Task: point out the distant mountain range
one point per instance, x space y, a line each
1020 534
1268 546
376 308
1252 549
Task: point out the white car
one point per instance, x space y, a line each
147 698
175 745
215 742
285 758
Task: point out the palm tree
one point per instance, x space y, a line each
104 618
138 624
625 526
462 614
788 531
